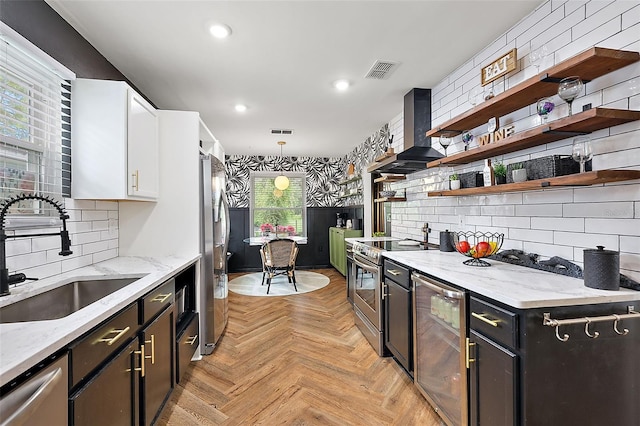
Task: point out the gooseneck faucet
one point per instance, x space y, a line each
5 278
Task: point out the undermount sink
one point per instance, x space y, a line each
62 301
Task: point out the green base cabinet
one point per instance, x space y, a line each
337 249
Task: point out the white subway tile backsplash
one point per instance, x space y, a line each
71 204
483 221
613 226
554 196
559 224
532 235
105 255
630 244
579 239
96 247
629 262
91 215
612 11
601 210
511 221
45 243
499 210
23 261
546 210
107 205
629 192
41 271
19 246
75 263
548 250
620 91
631 17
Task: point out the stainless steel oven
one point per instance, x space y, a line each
367 301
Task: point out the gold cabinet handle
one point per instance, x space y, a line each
115 338
135 177
469 360
142 358
152 357
191 340
483 318
394 272
161 298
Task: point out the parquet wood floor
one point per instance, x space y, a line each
296 360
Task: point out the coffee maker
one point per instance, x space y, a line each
341 220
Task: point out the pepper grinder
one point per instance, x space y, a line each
425 232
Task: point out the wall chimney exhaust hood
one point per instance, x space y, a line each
417 147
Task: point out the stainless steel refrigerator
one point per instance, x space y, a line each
214 240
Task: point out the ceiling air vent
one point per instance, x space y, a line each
381 70
281 131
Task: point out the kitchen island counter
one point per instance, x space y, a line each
23 344
513 285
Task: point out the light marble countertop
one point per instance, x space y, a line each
24 344
513 285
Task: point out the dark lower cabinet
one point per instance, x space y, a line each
398 314
492 390
157 382
111 396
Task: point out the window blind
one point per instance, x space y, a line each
35 124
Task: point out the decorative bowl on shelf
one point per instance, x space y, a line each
387 194
476 245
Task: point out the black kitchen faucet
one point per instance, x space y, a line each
5 278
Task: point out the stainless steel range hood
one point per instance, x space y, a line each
417 147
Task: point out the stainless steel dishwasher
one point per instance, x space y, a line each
37 397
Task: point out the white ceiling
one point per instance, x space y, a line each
282 58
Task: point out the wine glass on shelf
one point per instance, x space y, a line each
536 56
569 89
544 108
445 141
581 151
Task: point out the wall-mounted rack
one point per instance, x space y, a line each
587 321
589 65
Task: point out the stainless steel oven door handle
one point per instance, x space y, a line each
368 268
453 294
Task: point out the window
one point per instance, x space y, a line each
34 124
275 211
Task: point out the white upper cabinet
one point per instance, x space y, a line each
114 142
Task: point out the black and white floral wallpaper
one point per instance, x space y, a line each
323 173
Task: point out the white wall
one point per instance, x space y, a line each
553 222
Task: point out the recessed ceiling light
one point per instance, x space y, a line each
341 85
220 30
240 108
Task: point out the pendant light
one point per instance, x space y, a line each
281 182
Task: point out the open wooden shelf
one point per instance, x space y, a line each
581 123
353 179
578 179
590 64
389 199
389 178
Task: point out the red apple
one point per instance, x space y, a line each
483 249
463 247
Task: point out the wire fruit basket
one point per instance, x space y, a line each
477 245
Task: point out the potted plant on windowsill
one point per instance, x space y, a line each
500 172
454 181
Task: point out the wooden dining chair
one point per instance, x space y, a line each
279 258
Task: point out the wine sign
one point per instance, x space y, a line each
501 66
496 134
